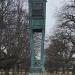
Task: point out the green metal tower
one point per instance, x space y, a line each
37 15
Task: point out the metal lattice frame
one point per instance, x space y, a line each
37 33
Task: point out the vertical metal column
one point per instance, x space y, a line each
37 15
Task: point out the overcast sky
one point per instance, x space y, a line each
52 7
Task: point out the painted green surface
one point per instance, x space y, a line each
37 0
37 24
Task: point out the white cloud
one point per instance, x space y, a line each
73 55
52 7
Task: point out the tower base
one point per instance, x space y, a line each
37 69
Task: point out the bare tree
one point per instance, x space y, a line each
14 45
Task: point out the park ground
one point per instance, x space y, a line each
46 73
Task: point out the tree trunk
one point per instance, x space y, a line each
56 70
1 72
26 73
63 69
67 70
7 72
13 72
73 71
